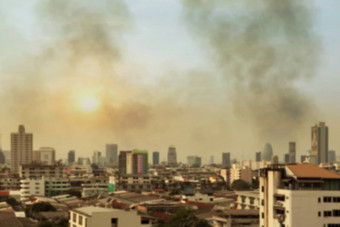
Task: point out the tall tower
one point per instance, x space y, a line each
172 156
267 152
21 149
155 158
71 156
226 160
319 142
292 152
112 154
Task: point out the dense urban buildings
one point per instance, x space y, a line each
226 160
111 155
155 158
21 149
133 162
267 152
172 156
194 161
319 141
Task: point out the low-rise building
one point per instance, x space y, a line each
247 200
38 170
240 173
135 182
105 217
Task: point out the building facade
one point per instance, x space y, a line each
38 170
226 160
292 152
172 156
155 158
299 195
47 155
71 157
21 149
195 161
319 142
112 155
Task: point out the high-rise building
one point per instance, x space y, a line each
97 157
258 157
226 160
155 158
319 138
47 155
194 161
172 156
286 158
111 154
71 156
292 152
36 156
2 158
212 159
21 149
267 152
331 156
125 162
140 164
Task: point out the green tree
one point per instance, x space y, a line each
183 218
240 185
11 201
42 206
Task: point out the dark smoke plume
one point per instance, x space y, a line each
263 49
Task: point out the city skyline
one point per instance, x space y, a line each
157 82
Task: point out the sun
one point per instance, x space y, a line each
88 104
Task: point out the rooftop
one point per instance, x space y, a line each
307 170
91 209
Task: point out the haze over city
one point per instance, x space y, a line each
148 74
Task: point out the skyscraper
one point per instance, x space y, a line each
140 164
125 162
267 152
286 158
71 156
331 156
258 156
226 160
97 157
319 142
21 148
111 154
172 156
155 158
292 152
194 161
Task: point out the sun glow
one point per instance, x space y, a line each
89 104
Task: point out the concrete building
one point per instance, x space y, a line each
21 149
94 189
83 161
247 200
71 156
125 162
31 187
47 155
258 157
105 217
38 170
226 160
135 182
111 155
303 158
319 142
2 157
195 161
292 152
240 173
36 156
267 152
331 156
97 158
172 156
286 158
299 195
155 158
140 162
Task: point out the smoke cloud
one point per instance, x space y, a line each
264 49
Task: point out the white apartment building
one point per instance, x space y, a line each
247 200
299 195
38 170
105 217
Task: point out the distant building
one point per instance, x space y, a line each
194 161
303 158
2 158
97 157
331 156
286 158
226 160
112 155
71 156
212 159
140 162
292 152
319 138
38 170
125 162
258 157
155 158
267 152
36 156
83 161
105 217
299 195
21 148
47 155
240 173
172 156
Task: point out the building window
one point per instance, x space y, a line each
114 222
336 213
336 199
327 213
327 199
74 217
262 188
333 225
319 200
80 220
262 215
319 214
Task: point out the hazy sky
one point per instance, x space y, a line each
196 74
